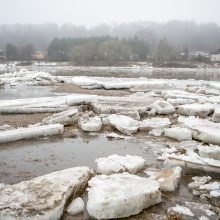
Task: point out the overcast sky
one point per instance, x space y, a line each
93 12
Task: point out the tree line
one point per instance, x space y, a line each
98 49
21 53
197 36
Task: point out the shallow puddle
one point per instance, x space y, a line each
24 160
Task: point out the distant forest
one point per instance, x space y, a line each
132 41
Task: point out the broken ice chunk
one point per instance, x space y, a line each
116 164
121 195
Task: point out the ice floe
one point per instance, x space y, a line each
124 124
76 206
154 123
67 117
90 123
31 132
180 134
202 129
168 178
212 151
116 164
162 107
196 109
43 197
121 195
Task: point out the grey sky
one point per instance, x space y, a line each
93 12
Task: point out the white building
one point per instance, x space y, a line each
215 57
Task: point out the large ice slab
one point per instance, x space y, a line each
212 151
66 117
154 123
43 197
45 104
116 164
202 129
121 195
124 124
191 160
181 134
196 109
31 132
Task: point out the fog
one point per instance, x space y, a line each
94 12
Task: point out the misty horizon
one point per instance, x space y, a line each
96 12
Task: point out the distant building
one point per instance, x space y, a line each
215 57
2 55
38 55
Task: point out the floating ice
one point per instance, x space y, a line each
154 123
124 124
181 134
90 123
163 107
43 197
29 133
212 151
168 178
116 164
202 129
66 117
196 109
121 195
